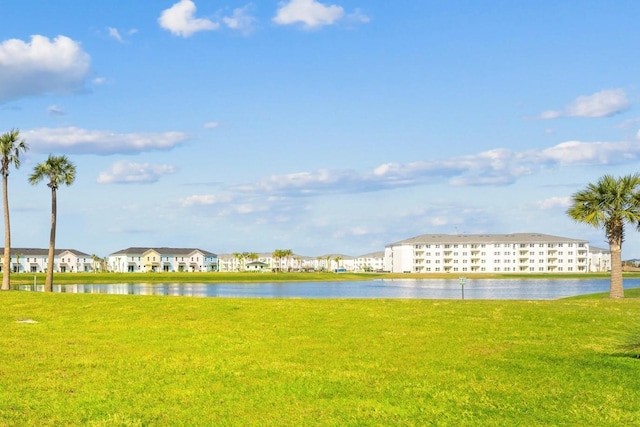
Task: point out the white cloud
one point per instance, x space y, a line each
123 172
180 20
240 20
309 13
99 80
554 202
495 167
54 110
599 153
359 231
114 33
82 141
211 125
629 123
42 66
440 221
358 17
204 200
601 104
550 114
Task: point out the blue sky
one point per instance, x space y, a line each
318 126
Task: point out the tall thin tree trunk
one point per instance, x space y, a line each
616 289
6 266
48 285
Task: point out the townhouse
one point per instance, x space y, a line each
144 259
493 253
34 260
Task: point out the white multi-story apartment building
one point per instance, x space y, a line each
34 260
327 262
238 262
370 262
489 253
141 259
599 259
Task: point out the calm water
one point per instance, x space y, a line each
532 289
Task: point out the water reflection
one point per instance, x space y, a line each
530 289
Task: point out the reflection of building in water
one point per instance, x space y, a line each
494 253
138 259
170 289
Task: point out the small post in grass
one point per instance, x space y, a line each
462 280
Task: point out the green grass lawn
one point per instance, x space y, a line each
109 360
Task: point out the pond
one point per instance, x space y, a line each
516 289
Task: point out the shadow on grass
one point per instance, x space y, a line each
628 293
631 350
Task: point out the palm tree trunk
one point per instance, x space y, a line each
6 266
616 289
48 285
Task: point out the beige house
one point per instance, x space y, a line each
141 259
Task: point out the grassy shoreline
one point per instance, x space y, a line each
90 278
109 360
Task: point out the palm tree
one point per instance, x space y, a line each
18 256
94 262
58 170
277 255
238 257
610 204
287 254
252 256
10 149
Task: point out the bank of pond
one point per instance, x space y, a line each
454 288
